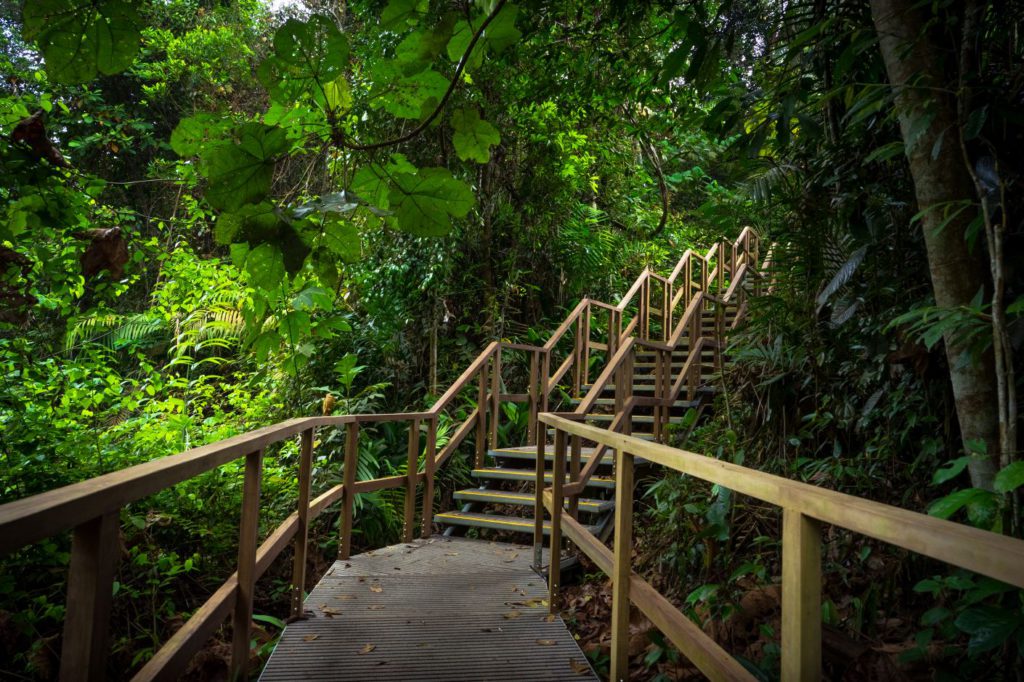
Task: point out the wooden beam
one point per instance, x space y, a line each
430 461
348 478
94 552
412 463
621 569
248 538
801 597
302 521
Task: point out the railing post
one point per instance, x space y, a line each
94 552
577 351
428 479
575 450
495 397
721 268
669 297
557 481
801 597
538 501
348 479
481 417
696 362
545 374
248 537
621 569
534 404
412 471
644 324
302 529
585 360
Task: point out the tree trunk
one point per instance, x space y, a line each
941 183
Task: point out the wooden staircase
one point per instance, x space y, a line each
506 495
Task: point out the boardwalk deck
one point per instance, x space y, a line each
441 609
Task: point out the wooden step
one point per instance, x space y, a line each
636 434
526 475
494 521
681 402
525 499
528 453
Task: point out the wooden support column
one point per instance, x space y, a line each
538 502
495 396
557 481
428 479
621 569
545 374
302 530
534 403
577 359
412 469
575 450
248 537
585 354
481 418
94 552
801 597
348 495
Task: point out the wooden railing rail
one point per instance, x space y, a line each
805 507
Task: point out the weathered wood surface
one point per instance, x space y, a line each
437 609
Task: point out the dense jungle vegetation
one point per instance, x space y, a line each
215 214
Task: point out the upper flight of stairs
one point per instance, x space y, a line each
504 499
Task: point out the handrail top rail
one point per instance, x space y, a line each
564 327
983 552
632 291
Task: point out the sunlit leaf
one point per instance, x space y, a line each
241 172
473 136
308 55
425 203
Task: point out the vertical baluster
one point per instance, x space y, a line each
669 315
430 457
621 567
348 479
94 552
412 464
695 352
481 417
577 355
585 362
801 597
538 502
545 389
495 395
302 529
575 451
557 480
721 268
531 429
248 537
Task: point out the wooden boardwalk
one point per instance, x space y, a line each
439 609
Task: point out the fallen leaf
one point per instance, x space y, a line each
451 554
422 645
367 648
362 579
347 565
535 602
512 614
511 557
579 667
310 638
375 607
550 618
546 642
329 612
491 630
346 597
376 588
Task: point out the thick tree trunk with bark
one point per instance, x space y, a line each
914 65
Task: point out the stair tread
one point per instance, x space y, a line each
529 453
528 475
526 499
496 521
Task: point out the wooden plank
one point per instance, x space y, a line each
456 438
621 568
412 463
990 554
566 323
495 407
463 380
430 461
302 524
94 552
348 479
801 597
248 538
557 481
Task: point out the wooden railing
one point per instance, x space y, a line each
805 508
91 509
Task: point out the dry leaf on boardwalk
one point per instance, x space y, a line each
546 642
550 618
375 607
310 638
512 614
579 667
376 588
367 648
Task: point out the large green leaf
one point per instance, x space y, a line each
241 172
341 238
418 50
1010 478
192 134
82 38
399 12
425 203
988 626
499 35
309 56
265 265
406 96
474 137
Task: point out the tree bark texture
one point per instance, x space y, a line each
941 183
